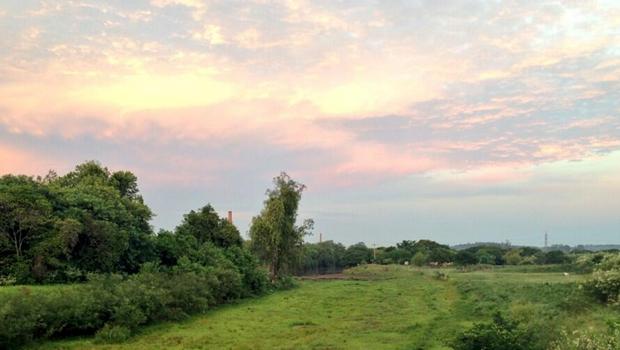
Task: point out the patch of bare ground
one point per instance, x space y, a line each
331 276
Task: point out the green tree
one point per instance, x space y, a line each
101 223
465 257
513 257
24 212
554 257
408 245
274 233
357 254
206 226
397 256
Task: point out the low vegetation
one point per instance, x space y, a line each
393 307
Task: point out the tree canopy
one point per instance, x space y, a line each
89 220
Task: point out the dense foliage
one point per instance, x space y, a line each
58 228
113 306
605 281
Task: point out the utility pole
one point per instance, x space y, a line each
321 237
546 239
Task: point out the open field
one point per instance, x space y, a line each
379 307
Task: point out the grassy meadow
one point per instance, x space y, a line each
376 307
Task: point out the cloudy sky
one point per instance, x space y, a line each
456 121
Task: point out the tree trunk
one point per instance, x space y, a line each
274 269
18 250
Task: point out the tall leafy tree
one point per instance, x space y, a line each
206 226
274 233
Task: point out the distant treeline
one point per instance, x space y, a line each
563 247
329 257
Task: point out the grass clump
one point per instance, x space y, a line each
112 334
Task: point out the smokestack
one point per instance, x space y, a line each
230 216
320 237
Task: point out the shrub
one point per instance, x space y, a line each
501 334
19 320
285 282
254 278
113 306
610 262
440 275
588 340
8 280
605 286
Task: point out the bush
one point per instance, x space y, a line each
8 280
501 334
440 275
588 340
610 262
605 286
284 283
18 320
112 306
254 278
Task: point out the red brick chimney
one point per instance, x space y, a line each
230 216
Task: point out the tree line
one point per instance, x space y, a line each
57 229
330 257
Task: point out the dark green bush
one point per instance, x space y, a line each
501 334
113 306
19 319
254 278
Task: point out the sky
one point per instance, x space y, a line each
457 121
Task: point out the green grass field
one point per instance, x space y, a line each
383 307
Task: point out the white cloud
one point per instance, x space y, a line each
210 33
